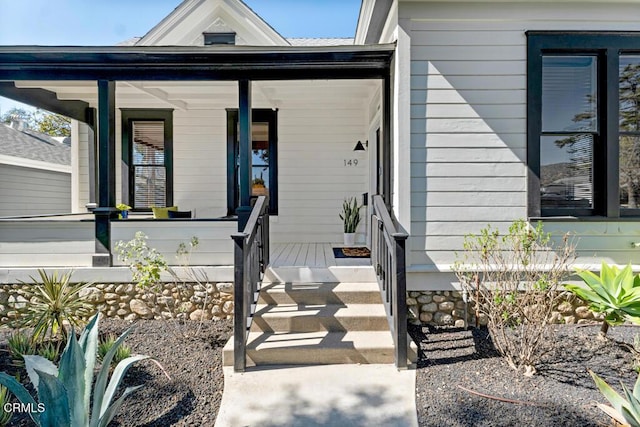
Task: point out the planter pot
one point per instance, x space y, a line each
124 214
349 239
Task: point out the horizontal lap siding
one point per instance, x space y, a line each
46 243
468 116
313 144
200 161
29 191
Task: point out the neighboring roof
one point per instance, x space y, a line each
31 145
305 41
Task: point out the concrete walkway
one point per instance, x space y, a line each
324 395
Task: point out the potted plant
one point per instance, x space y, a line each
124 210
350 217
257 186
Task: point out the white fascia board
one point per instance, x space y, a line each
33 164
364 19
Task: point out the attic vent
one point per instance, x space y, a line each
219 38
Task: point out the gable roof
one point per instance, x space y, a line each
32 145
185 25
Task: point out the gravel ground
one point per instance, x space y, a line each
562 393
194 363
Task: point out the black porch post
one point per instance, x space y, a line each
387 99
106 172
244 178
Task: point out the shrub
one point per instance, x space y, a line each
53 301
146 264
64 392
514 280
615 293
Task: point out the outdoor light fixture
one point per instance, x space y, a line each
360 147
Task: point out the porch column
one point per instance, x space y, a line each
106 172
244 136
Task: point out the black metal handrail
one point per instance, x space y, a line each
251 257
389 260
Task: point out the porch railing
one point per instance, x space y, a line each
388 258
251 257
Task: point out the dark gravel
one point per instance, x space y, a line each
194 362
562 393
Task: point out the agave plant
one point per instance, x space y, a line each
615 293
64 392
53 301
350 215
625 411
5 416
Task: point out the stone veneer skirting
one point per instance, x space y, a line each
447 308
127 301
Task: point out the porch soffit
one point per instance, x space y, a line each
181 63
185 25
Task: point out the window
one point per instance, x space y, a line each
147 154
219 38
583 136
264 159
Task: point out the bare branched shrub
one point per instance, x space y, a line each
515 280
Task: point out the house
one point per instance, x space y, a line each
35 171
469 112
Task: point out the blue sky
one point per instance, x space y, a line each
107 22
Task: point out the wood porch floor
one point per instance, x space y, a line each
310 255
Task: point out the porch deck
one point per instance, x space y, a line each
316 255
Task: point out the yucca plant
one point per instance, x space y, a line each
350 215
53 301
615 293
64 392
625 410
5 398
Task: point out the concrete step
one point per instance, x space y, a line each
315 348
347 274
320 293
313 318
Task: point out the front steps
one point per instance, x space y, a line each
318 322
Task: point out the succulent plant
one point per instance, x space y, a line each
350 215
625 411
65 397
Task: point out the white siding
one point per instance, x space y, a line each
468 118
46 243
30 191
81 165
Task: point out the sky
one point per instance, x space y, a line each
107 22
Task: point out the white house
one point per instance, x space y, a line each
35 171
469 112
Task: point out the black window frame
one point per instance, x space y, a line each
129 115
607 47
226 38
257 115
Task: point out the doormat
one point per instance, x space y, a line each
351 253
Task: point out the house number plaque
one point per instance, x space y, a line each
350 163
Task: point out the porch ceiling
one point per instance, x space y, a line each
190 95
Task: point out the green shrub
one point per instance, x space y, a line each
513 279
64 392
53 301
615 293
